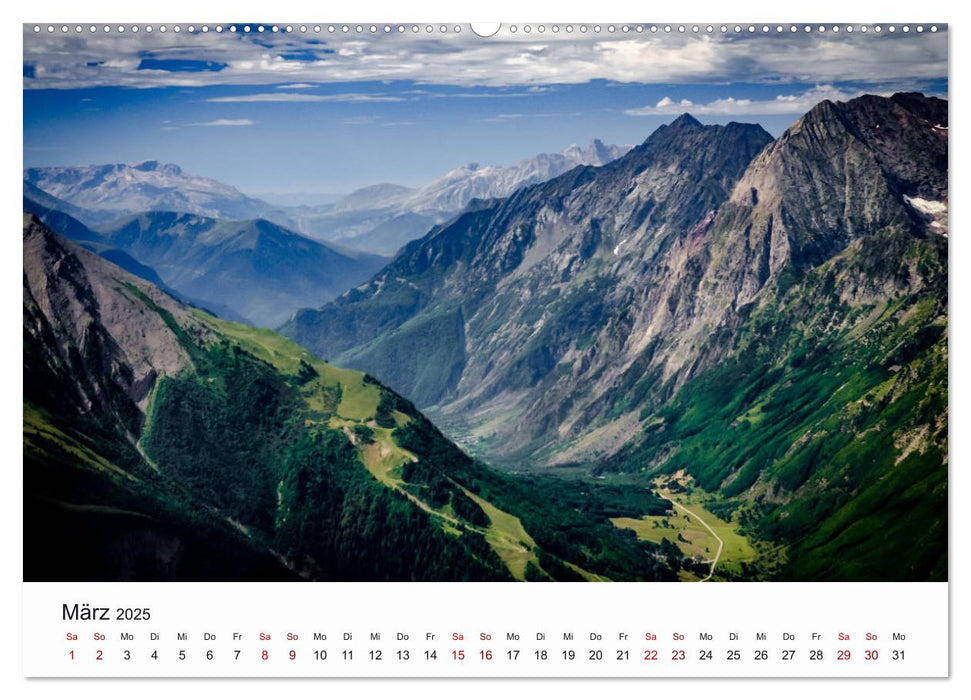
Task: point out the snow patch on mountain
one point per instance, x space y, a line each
926 206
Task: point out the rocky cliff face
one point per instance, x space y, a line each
86 323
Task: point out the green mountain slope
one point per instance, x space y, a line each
163 443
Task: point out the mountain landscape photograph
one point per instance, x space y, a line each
403 303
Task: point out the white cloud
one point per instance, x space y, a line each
529 115
780 104
295 86
73 61
303 97
224 122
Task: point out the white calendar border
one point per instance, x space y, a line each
385 10
474 629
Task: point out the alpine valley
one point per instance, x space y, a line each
713 356
755 328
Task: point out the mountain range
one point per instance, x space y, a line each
454 190
163 443
194 237
382 218
510 286
766 316
377 219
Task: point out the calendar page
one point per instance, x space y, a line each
519 350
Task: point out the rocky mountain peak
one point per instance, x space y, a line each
685 121
598 153
842 171
109 191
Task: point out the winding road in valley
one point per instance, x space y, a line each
721 544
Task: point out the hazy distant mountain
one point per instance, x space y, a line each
297 199
262 271
382 218
378 196
199 235
376 219
57 214
769 316
128 188
49 202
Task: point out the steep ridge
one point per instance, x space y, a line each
40 202
161 443
820 411
70 227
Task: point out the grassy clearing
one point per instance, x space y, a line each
507 537
755 414
690 535
265 344
359 401
384 459
450 529
737 548
585 574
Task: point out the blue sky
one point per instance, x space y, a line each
329 113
